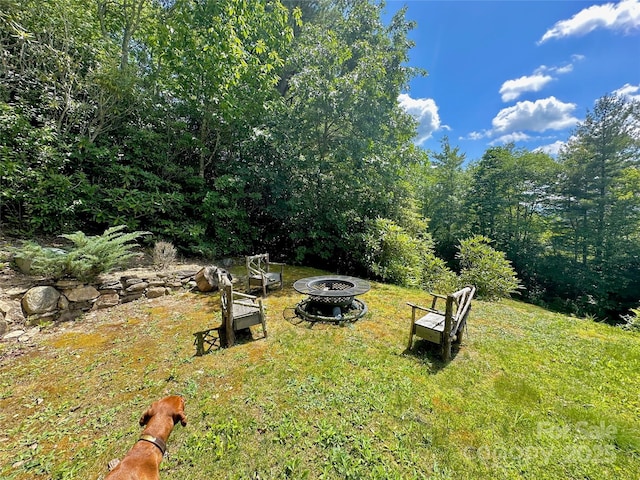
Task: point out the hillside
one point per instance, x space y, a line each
531 394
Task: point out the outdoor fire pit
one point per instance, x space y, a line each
331 298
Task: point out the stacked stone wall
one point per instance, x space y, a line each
24 308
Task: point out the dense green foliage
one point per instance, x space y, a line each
570 227
405 256
231 126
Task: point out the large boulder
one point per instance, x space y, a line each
39 300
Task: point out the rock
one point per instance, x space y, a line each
186 273
16 292
29 334
155 292
108 292
63 303
3 327
129 281
137 287
82 294
15 313
40 300
207 278
5 307
13 335
107 300
111 285
131 297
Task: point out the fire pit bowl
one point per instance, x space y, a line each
331 298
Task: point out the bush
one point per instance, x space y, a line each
397 256
632 321
164 254
437 277
91 255
486 268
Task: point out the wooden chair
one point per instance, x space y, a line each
261 275
443 327
239 311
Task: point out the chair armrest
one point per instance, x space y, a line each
244 295
413 305
426 309
247 304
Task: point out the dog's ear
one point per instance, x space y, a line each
146 416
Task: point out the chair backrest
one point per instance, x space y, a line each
461 306
226 304
258 264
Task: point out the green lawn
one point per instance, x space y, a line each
531 394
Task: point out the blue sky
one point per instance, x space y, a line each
521 71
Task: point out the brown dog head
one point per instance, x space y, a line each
171 406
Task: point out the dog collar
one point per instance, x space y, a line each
158 442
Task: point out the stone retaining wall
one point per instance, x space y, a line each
27 307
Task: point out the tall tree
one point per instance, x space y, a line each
444 196
599 205
221 60
345 126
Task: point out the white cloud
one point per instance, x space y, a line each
552 148
477 135
539 116
511 137
512 89
630 92
425 112
623 16
565 69
542 76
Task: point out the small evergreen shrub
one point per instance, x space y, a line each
164 254
486 268
90 256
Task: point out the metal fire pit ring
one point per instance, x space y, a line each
331 298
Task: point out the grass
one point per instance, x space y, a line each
531 394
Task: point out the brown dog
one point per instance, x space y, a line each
143 460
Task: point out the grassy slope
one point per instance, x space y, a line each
531 394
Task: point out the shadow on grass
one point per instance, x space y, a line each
290 315
430 354
210 340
